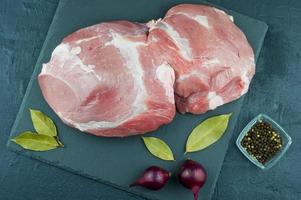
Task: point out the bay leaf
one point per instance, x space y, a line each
42 123
32 141
207 133
59 142
158 148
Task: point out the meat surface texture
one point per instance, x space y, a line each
212 58
121 78
104 80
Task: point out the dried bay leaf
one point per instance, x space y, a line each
158 148
207 132
42 123
32 141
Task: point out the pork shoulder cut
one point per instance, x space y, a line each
104 80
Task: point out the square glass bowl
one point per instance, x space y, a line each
286 141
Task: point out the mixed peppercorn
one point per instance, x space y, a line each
262 141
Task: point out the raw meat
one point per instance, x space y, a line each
119 78
212 58
104 80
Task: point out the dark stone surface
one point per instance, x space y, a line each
275 90
97 158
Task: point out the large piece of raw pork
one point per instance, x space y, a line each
119 78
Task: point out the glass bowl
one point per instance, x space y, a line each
286 141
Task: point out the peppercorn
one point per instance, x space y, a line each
262 141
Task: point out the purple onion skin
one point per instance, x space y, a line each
153 178
192 176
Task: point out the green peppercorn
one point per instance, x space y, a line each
262 141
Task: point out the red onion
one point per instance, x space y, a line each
153 178
192 176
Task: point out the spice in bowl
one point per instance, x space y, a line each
262 141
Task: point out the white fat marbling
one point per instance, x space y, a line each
207 63
152 24
89 125
214 100
63 53
181 42
193 73
87 39
223 12
203 20
188 75
129 50
44 69
252 58
246 81
166 75
211 62
94 125
219 11
76 50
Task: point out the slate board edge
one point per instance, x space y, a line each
33 74
66 168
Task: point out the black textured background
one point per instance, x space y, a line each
275 90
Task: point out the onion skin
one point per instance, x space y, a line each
192 176
153 178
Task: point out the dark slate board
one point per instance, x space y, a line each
117 161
